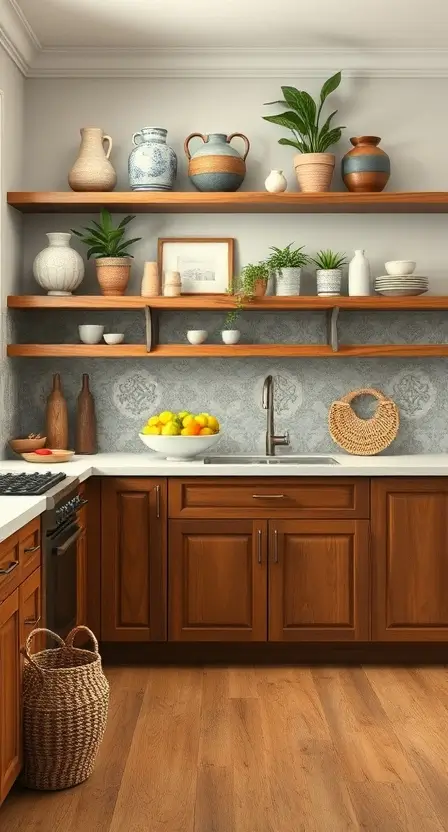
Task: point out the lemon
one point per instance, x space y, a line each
183 413
170 429
166 416
206 432
153 430
213 424
187 420
154 420
146 430
202 420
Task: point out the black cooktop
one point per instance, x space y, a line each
28 485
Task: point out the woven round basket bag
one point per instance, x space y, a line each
364 437
65 702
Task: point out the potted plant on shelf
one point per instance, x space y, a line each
254 280
229 334
313 165
287 264
329 272
111 251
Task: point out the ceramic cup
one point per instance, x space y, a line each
114 337
90 333
399 267
197 336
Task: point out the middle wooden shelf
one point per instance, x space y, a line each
227 351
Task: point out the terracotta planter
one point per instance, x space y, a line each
314 171
366 167
260 288
113 274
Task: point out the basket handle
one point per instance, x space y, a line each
26 650
364 391
73 633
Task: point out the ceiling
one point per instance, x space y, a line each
142 24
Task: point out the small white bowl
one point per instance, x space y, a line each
197 336
399 267
179 447
231 336
90 333
114 337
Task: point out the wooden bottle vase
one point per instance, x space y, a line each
85 442
57 417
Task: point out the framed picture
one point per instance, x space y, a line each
205 264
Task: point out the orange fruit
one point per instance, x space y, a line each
191 430
206 432
188 420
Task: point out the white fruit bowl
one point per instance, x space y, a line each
179 447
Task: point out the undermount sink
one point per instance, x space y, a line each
270 460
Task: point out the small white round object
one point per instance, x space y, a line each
90 333
179 447
197 336
114 337
231 336
275 182
400 266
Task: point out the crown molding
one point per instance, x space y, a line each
17 37
237 63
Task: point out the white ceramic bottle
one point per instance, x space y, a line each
275 182
58 268
359 275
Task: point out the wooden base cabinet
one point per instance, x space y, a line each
410 559
133 559
10 694
217 580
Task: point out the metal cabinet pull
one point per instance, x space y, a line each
13 565
268 496
31 622
275 546
157 501
32 549
259 545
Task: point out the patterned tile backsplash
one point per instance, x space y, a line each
128 391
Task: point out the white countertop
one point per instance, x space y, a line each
15 512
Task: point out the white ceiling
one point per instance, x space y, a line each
318 24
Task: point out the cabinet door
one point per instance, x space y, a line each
410 559
10 710
81 580
30 602
318 580
217 580
133 559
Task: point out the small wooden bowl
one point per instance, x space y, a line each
55 456
23 446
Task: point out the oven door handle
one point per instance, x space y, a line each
61 550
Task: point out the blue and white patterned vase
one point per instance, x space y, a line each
152 163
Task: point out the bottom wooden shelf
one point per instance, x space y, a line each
224 351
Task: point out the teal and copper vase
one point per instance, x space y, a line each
366 167
216 165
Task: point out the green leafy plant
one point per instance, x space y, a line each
286 258
303 118
250 275
103 240
329 259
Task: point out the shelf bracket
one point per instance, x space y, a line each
152 329
332 328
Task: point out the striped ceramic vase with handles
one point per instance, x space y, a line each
216 165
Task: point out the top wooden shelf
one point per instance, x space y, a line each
256 202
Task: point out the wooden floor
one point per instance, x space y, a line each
260 750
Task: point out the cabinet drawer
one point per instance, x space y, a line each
10 565
265 497
29 548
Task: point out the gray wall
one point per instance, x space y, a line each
11 155
127 391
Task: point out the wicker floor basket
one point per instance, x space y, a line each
65 702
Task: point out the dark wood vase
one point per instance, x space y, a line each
366 167
85 442
57 417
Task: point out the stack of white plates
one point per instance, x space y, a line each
401 285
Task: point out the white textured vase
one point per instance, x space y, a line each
359 275
275 182
58 268
328 282
288 282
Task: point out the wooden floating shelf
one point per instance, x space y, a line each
223 303
257 202
224 351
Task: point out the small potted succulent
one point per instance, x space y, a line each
229 334
313 165
287 263
329 272
110 250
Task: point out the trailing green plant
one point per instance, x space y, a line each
303 118
286 258
234 291
250 275
103 240
329 259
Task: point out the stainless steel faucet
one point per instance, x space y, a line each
268 404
